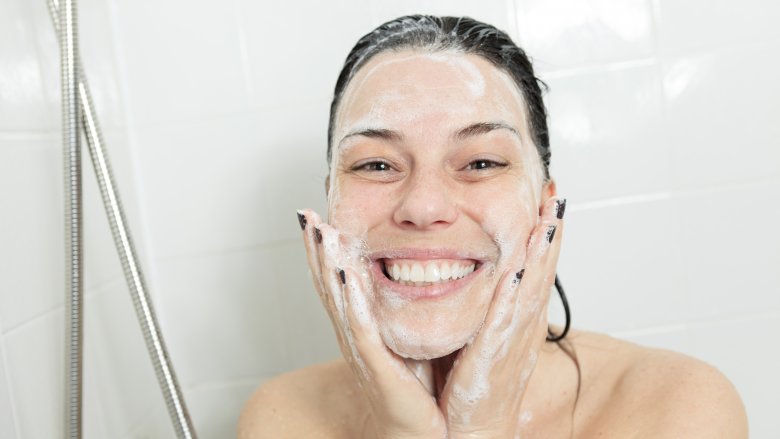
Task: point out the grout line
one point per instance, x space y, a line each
693 324
514 26
620 201
141 238
41 315
229 250
7 378
590 68
243 49
668 195
215 385
664 329
89 294
31 135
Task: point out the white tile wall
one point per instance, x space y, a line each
744 349
118 362
722 108
181 59
700 24
664 140
566 33
292 58
7 409
595 157
33 274
495 12
634 273
217 299
215 409
21 93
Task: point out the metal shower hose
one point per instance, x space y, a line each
78 111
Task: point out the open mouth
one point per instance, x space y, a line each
422 273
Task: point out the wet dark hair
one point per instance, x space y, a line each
459 34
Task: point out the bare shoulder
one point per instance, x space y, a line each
656 393
310 402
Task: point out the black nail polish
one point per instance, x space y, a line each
560 208
551 233
317 235
302 221
519 276
343 277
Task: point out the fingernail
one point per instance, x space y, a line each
519 276
551 233
343 277
317 235
302 220
560 208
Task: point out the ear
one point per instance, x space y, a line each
327 185
548 190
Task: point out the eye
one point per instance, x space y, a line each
483 164
373 166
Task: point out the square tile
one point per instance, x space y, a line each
720 133
36 372
621 266
117 361
97 51
308 332
238 181
32 263
216 407
35 354
604 134
675 338
7 421
562 34
699 24
179 66
729 250
295 57
494 12
739 349
222 315
24 105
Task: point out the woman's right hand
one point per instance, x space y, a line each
401 407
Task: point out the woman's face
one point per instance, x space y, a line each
434 170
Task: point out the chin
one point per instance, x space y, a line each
422 335
427 320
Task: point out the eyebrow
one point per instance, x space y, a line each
479 128
474 129
375 133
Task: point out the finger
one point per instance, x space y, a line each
545 231
502 307
383 365
330 257
309 220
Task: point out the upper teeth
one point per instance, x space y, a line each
427 271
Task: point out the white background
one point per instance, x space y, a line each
664 121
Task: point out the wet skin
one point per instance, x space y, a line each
433 165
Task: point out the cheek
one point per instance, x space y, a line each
354 208
506 213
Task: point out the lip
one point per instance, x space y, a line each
426 253
429 292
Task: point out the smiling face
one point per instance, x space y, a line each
433 168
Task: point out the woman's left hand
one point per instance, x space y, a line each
482 396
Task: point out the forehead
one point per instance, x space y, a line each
416 90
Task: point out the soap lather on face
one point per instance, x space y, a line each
441 209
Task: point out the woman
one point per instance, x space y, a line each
437 260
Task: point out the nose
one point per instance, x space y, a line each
426 204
